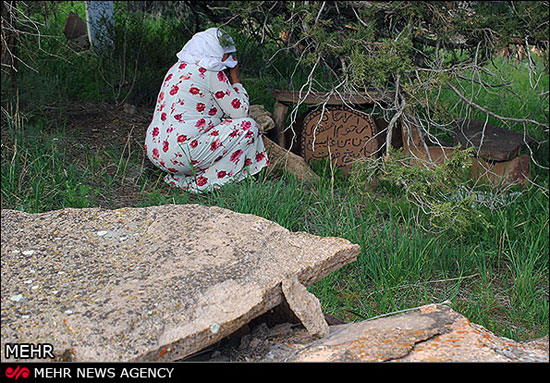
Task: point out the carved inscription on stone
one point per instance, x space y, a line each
340 134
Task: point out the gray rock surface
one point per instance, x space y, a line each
153 284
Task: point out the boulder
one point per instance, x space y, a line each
149 284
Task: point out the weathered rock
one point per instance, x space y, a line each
306 307
262 116
154 284
280 158
433 333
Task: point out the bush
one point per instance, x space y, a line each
432 189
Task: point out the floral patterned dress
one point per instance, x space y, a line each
200 133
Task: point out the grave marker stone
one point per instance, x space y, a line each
340 134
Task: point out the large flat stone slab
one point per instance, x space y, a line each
154 284
432 333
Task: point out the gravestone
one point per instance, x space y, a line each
497 151
101 23
74 26
340 134
76 32
490 142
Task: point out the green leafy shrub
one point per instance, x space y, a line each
428 187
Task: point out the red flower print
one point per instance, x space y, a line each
246 124
165 146
213 111
170 129
163 116
177 117
202 70
161 96
236 103
182 138
222 174
172 170
215 133
249 134
194 90
194 144
234 133
201 180
182 66
235 156
218 158
200 107
247 162
168 78
155 132
219 94
222 77
156 154
145 146
260 156
200 124
174 90
215 144
236 89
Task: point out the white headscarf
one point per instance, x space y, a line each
206 50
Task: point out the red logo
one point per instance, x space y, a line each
15 374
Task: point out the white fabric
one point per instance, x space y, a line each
205 50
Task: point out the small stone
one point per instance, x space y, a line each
28 252
101 233
214 328
17 298
306 307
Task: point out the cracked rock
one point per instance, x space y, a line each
432 333
148 284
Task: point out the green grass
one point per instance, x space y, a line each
496 276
